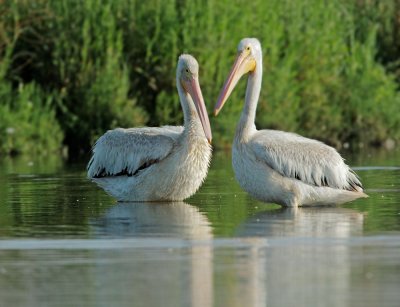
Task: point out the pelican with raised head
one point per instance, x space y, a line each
276 166
158 163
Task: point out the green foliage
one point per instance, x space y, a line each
27 121
110 63
78 59
92 69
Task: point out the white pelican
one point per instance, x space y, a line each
158 163
276 166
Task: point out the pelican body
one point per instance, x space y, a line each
276 166
166 163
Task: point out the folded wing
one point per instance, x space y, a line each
304 159
127 151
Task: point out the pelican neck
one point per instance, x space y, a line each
246 123
191 119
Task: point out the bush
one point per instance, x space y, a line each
27 121
27 117
110 63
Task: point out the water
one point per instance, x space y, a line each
64 242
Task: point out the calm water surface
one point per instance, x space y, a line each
64 242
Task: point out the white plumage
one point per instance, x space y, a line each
277 166
158 163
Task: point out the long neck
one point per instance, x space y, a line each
246 123
191 119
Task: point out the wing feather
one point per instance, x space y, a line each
308 160
127 151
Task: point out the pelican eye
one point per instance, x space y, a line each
248 48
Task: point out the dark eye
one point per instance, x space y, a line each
248 48
187 70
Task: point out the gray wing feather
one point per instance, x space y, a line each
308 160
126 150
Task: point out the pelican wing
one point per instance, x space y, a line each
308 160
127 151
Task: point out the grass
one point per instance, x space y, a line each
90 66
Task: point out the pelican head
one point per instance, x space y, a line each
188 77
248 55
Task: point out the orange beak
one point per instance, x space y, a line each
244 63
192 86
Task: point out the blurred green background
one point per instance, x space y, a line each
70 70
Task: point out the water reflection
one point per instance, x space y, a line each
300 253
156 219
64 242
179 276
321 222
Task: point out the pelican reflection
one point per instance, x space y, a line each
154 219
158 275
305 222
297 246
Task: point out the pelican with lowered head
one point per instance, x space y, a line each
167 163
276 166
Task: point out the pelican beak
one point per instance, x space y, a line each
244 63
192 86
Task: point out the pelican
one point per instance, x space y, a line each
276 166
166 163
